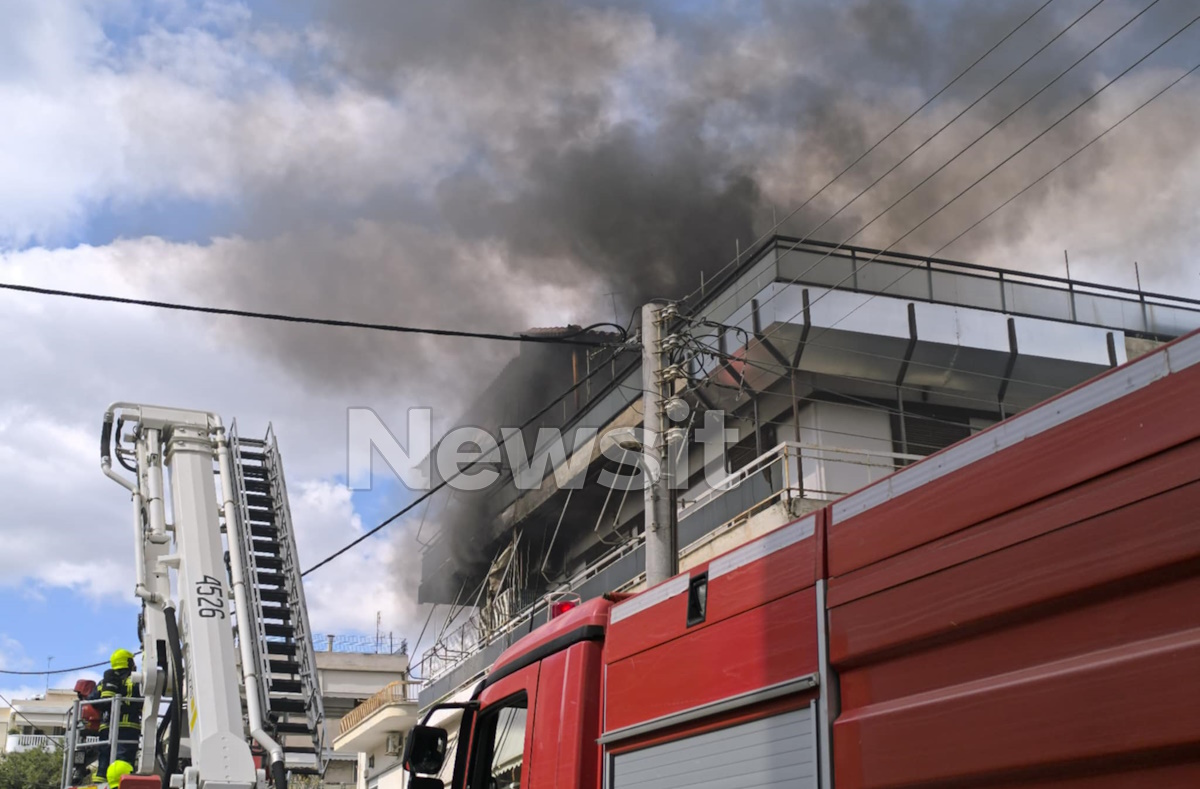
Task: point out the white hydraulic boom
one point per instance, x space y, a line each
245 706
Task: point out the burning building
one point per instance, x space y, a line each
834 365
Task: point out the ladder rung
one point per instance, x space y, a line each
280 612
287 705
279 631
273 595
299 749
281 648
263 530
287 686
270 547
256 486
257 457
274 579
260 501
292 728
284 666
268 562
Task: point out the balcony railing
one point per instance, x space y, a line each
786 468
399 692
28 742
1002 290
785 474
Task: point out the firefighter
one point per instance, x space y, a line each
118 681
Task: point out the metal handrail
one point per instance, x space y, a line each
783 453
980 270
397 692
315 711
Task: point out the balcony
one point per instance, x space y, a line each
15 743
366 727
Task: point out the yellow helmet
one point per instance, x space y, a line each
116 770
120 659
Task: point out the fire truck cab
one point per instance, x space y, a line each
713 673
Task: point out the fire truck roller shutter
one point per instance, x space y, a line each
778 751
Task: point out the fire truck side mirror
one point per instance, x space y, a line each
425 750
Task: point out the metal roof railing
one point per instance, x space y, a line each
1012 292
382 644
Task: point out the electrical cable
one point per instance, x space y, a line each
16 711
994 126
981 178
774 367
1056 167
408 507
1029 186
867 403
564 339
789 422
776 225
945 126
59 670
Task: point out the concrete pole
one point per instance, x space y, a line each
662 558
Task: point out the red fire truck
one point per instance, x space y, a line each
1020 609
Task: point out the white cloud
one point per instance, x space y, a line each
12 655
345 595
64 525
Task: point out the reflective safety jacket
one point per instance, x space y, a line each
120 683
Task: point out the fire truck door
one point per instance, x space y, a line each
501 744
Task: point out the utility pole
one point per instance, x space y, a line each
49 658
662 557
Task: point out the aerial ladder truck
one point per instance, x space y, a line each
230 694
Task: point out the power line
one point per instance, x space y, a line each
987 174
953 395
1056 167
776 225
938 132
776 366
565 339
55 671
16 711
1032 184
978 139
461 471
